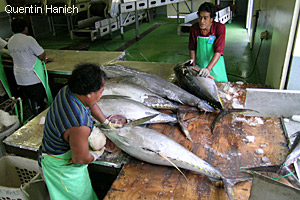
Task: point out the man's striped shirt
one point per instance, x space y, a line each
65 112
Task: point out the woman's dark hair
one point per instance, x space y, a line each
18 25
86 78
208 7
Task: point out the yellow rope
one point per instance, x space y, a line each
71 161
62 180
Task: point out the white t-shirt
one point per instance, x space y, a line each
3 43
24 51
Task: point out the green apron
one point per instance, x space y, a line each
40 70
205 52
3 78
67 180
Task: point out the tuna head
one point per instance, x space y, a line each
202 87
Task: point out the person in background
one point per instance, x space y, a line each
3 46
64 154
3 94
207 42
25 52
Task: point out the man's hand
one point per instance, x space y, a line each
97 154
203 72
111 125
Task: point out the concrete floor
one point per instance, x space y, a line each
163 44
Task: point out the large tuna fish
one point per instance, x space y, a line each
137 93
283 169
132 110
157 85
153 147
202 87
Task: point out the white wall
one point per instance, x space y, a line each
2 5
282 18
293 82
296 51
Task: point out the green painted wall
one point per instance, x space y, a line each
2 5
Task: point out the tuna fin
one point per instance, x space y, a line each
230 182
183 124
225 112
141 120
120 79
167 159
115 97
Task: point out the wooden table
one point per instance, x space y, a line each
227 148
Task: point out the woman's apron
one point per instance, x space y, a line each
65 179
40 70
205 52
4 79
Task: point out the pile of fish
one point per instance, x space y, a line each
138 95
157 85
120 87
127 89
132 110
153 147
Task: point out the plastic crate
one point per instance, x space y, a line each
5 134
21 180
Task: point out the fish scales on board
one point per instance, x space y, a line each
132 110
153 147
157 85
137 93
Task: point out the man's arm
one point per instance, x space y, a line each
78 140
213 61
193 56
97 113
42 57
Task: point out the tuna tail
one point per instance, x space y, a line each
225 112
230 182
